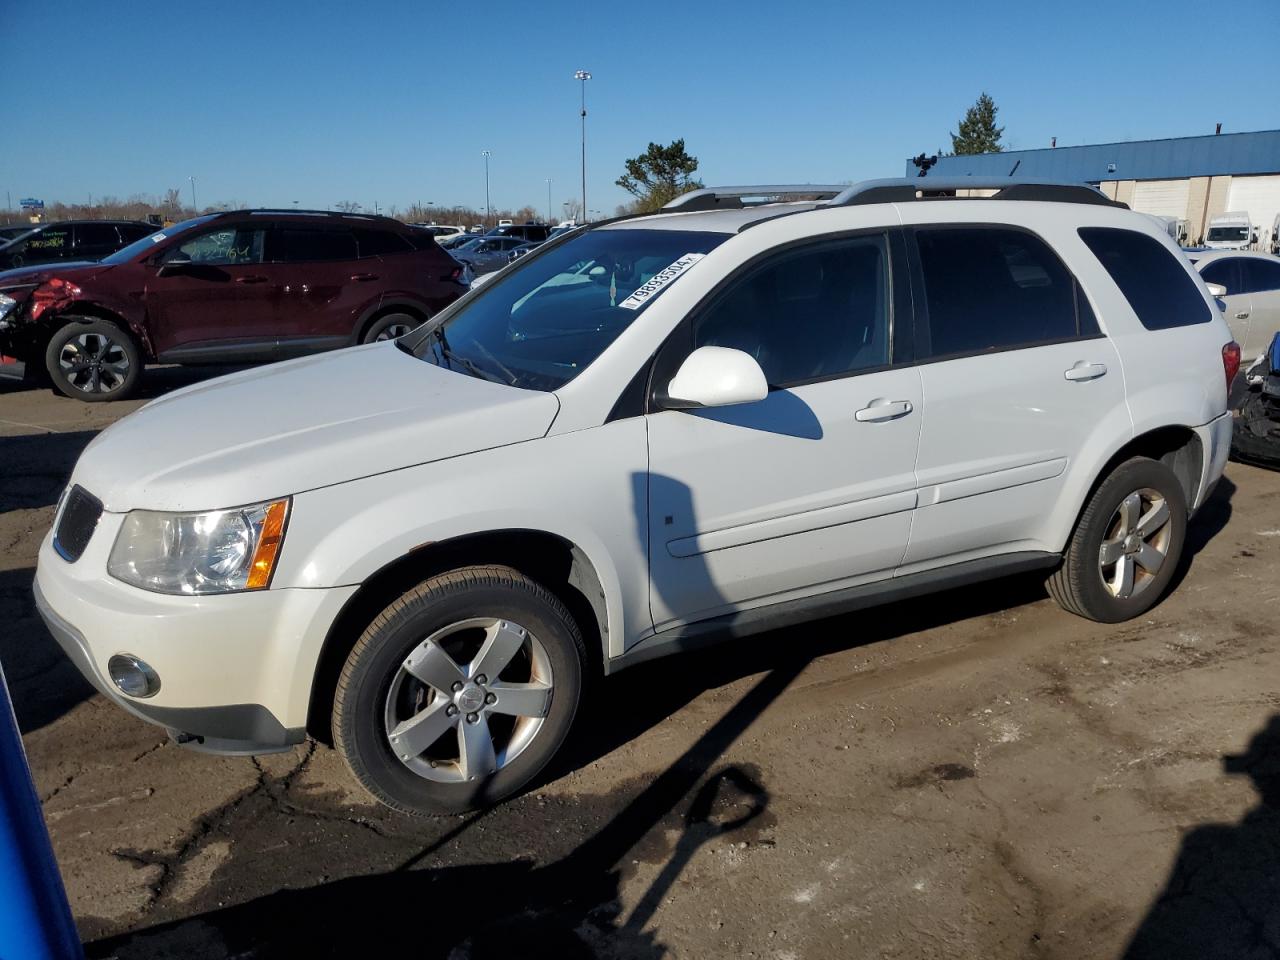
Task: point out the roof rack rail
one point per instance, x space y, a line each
933 188
290 211
732 198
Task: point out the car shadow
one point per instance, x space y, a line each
156 380
1222 898
43 683
34 468
1210 520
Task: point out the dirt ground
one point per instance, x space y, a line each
977 774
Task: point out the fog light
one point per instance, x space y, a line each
133 676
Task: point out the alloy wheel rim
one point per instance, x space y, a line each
94 363
1136 545
468 700
394 331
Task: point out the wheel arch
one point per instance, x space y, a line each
384 306
1177 447
553 561
96 311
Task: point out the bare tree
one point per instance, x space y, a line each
347 206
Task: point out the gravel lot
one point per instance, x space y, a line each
974 775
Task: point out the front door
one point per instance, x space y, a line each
1262 281
812 488
211 298
1017 377
1229 272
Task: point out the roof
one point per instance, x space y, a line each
728 220
1170 159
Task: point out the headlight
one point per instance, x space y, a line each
7 303
196 553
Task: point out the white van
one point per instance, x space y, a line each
1229 231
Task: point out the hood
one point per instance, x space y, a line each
290 427
70 270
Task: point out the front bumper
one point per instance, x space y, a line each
235 670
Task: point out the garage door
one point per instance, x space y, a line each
1164 198
1259 196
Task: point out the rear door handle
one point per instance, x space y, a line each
251 279
882 409
1086 371
364 277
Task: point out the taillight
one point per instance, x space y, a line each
52 293
1231 362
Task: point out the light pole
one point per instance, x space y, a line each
550 215
488 211
193 194
584 76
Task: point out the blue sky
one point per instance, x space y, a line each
271 102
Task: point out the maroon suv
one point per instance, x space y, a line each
248 286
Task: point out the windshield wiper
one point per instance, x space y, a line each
488 354
450 358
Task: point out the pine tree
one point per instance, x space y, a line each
978 130
659 175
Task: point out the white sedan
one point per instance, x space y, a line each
1252 281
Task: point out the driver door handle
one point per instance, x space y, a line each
881 409
364 277
1086 371
252 278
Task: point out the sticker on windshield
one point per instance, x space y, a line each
157 237
652 287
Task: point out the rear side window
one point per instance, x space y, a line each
1260 275
989 288
1157 286
380 243
308 245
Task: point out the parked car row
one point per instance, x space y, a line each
238 287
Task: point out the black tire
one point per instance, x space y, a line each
391 326
93 360
365 687
1080 585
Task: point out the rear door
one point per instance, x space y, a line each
1229 272
812 488
1262 281
323 283
209 298
1015 375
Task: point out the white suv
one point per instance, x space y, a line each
708 422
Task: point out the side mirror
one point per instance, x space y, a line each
716 377
170 267
1216 289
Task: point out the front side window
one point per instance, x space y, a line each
1226 273
813 312
1152 278
221 247
543 320
148 243
53 243
989 288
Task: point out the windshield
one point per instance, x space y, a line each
1228 233
125 254
542 323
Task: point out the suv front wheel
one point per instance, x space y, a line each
1126 545
93 360
459 692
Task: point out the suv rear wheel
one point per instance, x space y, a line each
391 326
459 692
93 360
1126 545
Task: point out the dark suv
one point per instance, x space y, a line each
242 287
528 232
70 240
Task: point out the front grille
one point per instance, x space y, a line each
79 518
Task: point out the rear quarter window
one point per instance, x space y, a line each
1157 286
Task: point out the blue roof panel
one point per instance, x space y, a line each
1224 154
